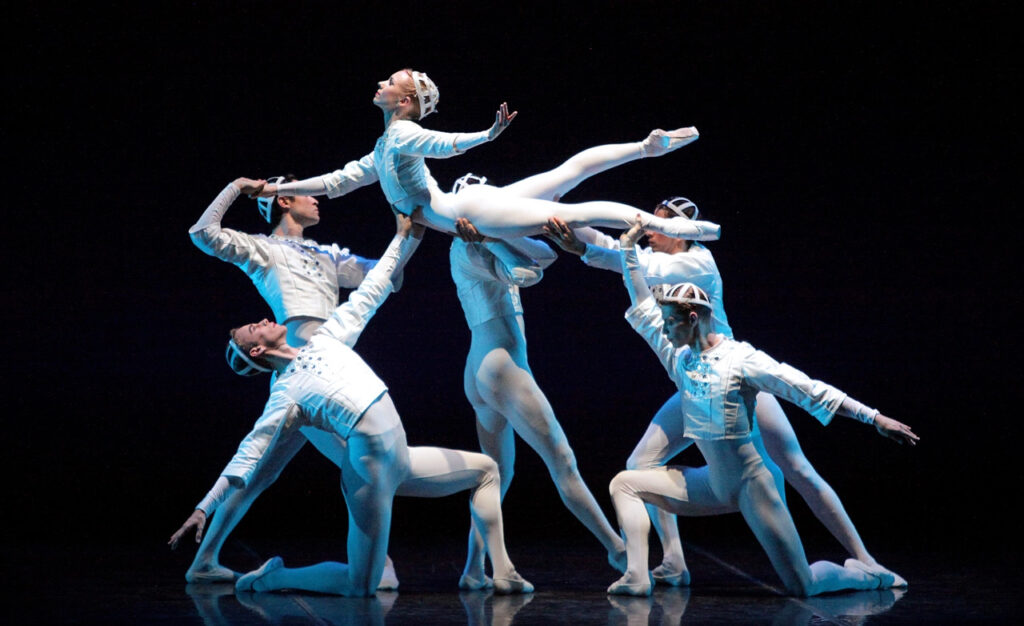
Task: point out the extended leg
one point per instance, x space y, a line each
511 390
736 468
206 564
497 213
784 448
438 472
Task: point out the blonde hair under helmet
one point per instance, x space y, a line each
426 93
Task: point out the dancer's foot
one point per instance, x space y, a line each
661 142
666 574
388 578
628 586
211 575
468 582
512 583
248 582
884 578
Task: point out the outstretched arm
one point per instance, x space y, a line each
886 426
502 119
227 244
632 274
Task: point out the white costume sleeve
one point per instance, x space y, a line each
215 496
279 413
351 268
764 373
645 318
354 175
351 317
226 244
412 139
520 261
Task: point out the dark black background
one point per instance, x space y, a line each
859 160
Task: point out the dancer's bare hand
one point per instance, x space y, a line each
465 231
897 431
250 186
502 118
564 237
405 226
629 238
197 520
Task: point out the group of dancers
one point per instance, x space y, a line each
322 390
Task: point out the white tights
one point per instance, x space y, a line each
522 208
782 457
430 473
507 400
735 478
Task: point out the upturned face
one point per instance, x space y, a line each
265 334
392 91
304 209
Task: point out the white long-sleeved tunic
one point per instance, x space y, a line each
397 162
718 386
328 385
297 277
696 266
488 275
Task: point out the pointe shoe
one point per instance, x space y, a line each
885 578
388 578
472 583
662 575
622 587
214 575
248 581
661 142
513 583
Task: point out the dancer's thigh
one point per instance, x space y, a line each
663 439
676 489
437 472
777 433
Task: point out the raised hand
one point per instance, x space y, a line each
629 238
250 186
502 118
465 231
564 237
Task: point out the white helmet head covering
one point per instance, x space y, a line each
266 205
466 180
681 293
426 93
241 363
678 206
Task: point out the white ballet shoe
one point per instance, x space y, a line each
624 587
664 575
388 578
213 575
248 581
513 583
661 142
472 583
885 578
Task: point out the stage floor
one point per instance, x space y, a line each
731 585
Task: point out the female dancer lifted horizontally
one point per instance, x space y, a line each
397 163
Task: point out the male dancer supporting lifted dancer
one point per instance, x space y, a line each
718 379
326 386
